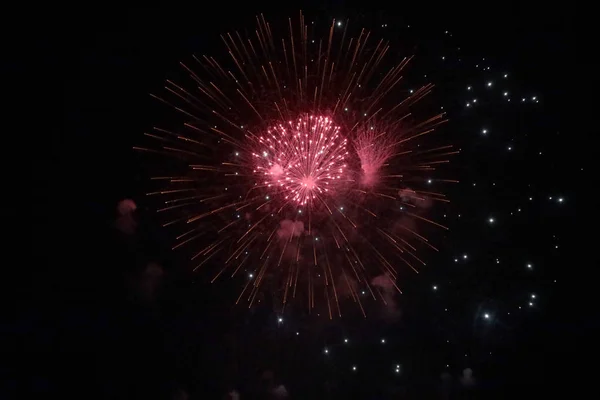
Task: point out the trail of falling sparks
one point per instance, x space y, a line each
294 162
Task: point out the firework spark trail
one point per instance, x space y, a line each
298 156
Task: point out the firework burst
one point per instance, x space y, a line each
374 147
301 162
305 159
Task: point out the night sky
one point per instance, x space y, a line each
496 298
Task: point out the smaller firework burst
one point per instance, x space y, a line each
374 146
303 159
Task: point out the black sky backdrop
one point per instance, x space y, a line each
102 63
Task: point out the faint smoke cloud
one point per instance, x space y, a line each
446 387
180 394
289 228
404 223
149 281
467 379
388 291
419 200
126 206
346 285
125 216
233 395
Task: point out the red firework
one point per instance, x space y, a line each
304 159
300 162
374 147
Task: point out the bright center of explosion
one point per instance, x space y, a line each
308 182
303 159
374 149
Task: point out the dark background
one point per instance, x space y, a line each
98 66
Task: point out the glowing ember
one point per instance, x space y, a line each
304 159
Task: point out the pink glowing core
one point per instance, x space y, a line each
276 170
302 159
308 182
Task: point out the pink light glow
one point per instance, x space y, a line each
303 159
374 149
